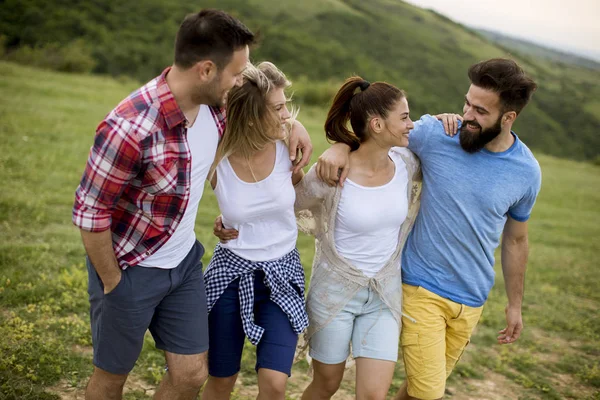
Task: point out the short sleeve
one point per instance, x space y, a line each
521 210
421 135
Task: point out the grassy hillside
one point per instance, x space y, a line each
47 121
317 42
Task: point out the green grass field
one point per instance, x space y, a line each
47 121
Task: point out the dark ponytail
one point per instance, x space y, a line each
337 119
372 100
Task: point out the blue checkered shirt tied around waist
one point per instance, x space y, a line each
280 274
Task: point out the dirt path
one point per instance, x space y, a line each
68 392
493 387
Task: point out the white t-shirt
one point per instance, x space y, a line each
367 225
262 212
203 138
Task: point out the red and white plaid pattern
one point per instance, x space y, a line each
137 178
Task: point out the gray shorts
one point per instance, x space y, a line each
171 303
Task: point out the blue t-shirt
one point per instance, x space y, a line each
465 201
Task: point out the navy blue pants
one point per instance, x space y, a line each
277 346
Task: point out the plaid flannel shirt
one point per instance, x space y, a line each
137 178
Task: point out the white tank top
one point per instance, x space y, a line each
368 220
203 138
262 212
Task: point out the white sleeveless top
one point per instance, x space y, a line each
262 212
203 138
367 225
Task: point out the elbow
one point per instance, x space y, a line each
515 237
516 242
520 240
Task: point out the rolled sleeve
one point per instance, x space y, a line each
113 162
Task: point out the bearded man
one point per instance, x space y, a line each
478 186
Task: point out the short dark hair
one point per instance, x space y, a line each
210 34
505 77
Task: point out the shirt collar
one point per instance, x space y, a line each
168 105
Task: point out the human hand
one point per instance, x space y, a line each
112 280
514 326
223 234
300 143
333 165
450 122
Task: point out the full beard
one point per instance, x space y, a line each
472 142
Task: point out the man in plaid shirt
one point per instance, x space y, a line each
137 202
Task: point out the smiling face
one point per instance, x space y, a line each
278 102
482 115
226 78
396 127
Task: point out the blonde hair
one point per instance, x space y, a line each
251 122
279 81
274 75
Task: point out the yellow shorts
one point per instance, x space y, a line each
433 345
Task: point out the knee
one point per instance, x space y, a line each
326 384
111 385
193 378
222 386
327 387
272 389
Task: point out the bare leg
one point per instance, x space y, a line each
373 378
104 385
186 375
402 392
326 381
271 384
219 388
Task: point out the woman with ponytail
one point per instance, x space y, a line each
354 303
255 282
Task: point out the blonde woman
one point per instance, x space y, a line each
354 301
255 282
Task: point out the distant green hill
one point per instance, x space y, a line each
318 41
526 47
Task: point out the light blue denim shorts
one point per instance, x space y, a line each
365 322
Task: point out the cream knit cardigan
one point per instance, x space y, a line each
316 209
